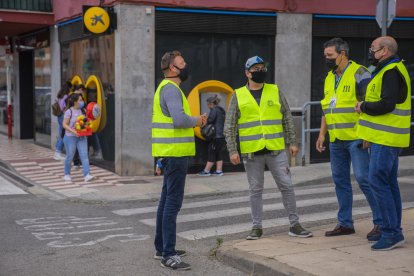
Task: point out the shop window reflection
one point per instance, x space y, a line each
95 56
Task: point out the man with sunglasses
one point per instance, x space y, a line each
261 115
345 83
384 125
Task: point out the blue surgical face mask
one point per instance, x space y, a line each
81 104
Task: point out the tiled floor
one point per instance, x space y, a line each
36 163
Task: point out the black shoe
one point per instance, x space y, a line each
175 263
340 231
374 232
180 253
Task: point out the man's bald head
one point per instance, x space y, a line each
390 43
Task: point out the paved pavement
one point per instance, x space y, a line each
25 162
345 255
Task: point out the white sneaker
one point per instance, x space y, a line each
58 156
89 177
67 178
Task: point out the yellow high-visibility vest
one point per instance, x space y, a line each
168 141
260 126
340 116
391 129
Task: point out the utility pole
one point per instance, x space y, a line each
384 17
385 13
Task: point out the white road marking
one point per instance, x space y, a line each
196 234
214 202
7 188
247 210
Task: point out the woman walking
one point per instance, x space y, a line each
72 140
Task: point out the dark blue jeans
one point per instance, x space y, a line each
343 153
383 178
172 195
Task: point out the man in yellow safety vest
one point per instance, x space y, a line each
173 140
261 114
385 127
345 83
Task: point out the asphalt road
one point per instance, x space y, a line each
40 236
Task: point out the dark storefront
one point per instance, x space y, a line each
359 33
216 47
35 86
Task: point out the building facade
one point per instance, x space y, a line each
215 37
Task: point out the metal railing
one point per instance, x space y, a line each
27 5
306 130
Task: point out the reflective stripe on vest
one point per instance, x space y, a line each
341 119
391 129
260 126
168 141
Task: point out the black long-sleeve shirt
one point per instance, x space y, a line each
393 91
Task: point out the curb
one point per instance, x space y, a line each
255 265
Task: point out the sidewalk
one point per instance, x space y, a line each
35 166
25 162
345 255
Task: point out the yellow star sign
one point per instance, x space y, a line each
96 20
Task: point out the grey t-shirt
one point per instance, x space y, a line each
172 106
73 114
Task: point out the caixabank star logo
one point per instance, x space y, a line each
98 20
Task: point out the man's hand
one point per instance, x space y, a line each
366 144
204 119
235 159
319 143
358 107
293 151
201 120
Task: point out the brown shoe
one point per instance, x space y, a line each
339 231
374 232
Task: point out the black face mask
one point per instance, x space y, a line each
258 76
331 63
371 57
184 72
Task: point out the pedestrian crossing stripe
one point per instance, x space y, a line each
215 202
247 210
196 234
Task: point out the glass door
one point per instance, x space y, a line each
42 97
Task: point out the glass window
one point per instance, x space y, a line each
3 91
95 56
42 96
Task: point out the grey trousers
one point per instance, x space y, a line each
279 168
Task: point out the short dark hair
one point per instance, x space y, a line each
78 86
168 58
73 98
339 43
